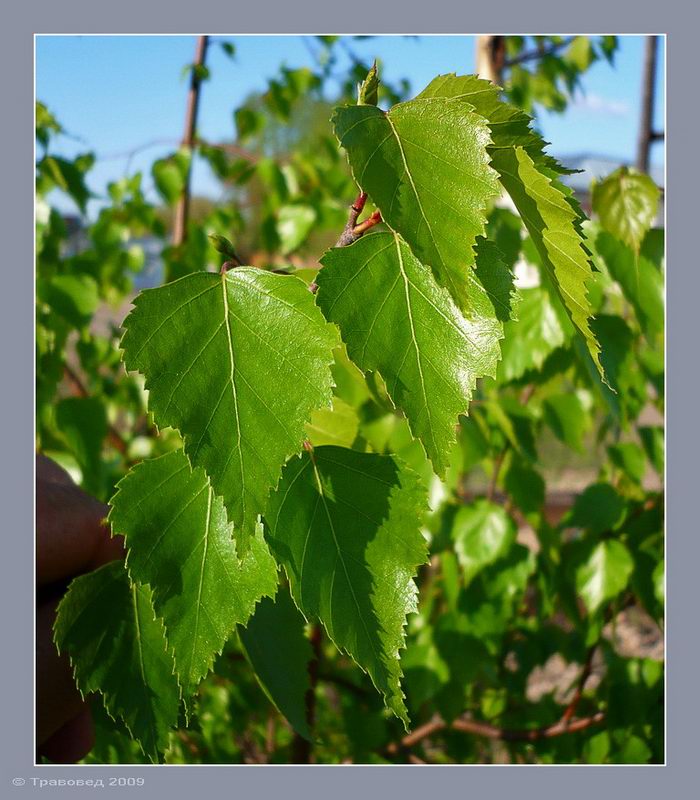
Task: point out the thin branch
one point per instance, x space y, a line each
538 53
113 436
352 230
570 710
188 140
488 731
498 464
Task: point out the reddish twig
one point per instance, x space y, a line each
352 231
489 731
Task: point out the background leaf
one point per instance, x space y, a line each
626 203
276 645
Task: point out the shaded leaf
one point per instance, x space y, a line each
294 223
554 226
338 425
83 423
598 508
538 332
345 526
117 647
169 175
275 643
367 90
641 281
653 442
567 417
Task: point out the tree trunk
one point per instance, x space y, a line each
183 206
646 125
490 58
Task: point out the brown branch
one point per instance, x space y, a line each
188 140
352 230
231 149
437 725
647 116
498 464
538 53
570 710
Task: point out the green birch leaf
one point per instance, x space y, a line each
117 647
605 574
181 543
482 532
368 90
345 525
275 643
509 125
338 425
626 203
294 224
568 418
642 283
554 225
653 443
425 166
237 363
395 319
538 332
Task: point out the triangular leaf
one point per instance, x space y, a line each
482 532
117 647
181 543
626 203
425 166
605 574
237 363
276 646
395 319
345 526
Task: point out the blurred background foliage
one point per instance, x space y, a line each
544 597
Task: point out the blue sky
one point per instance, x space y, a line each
117 93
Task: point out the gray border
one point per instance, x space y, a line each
319 16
